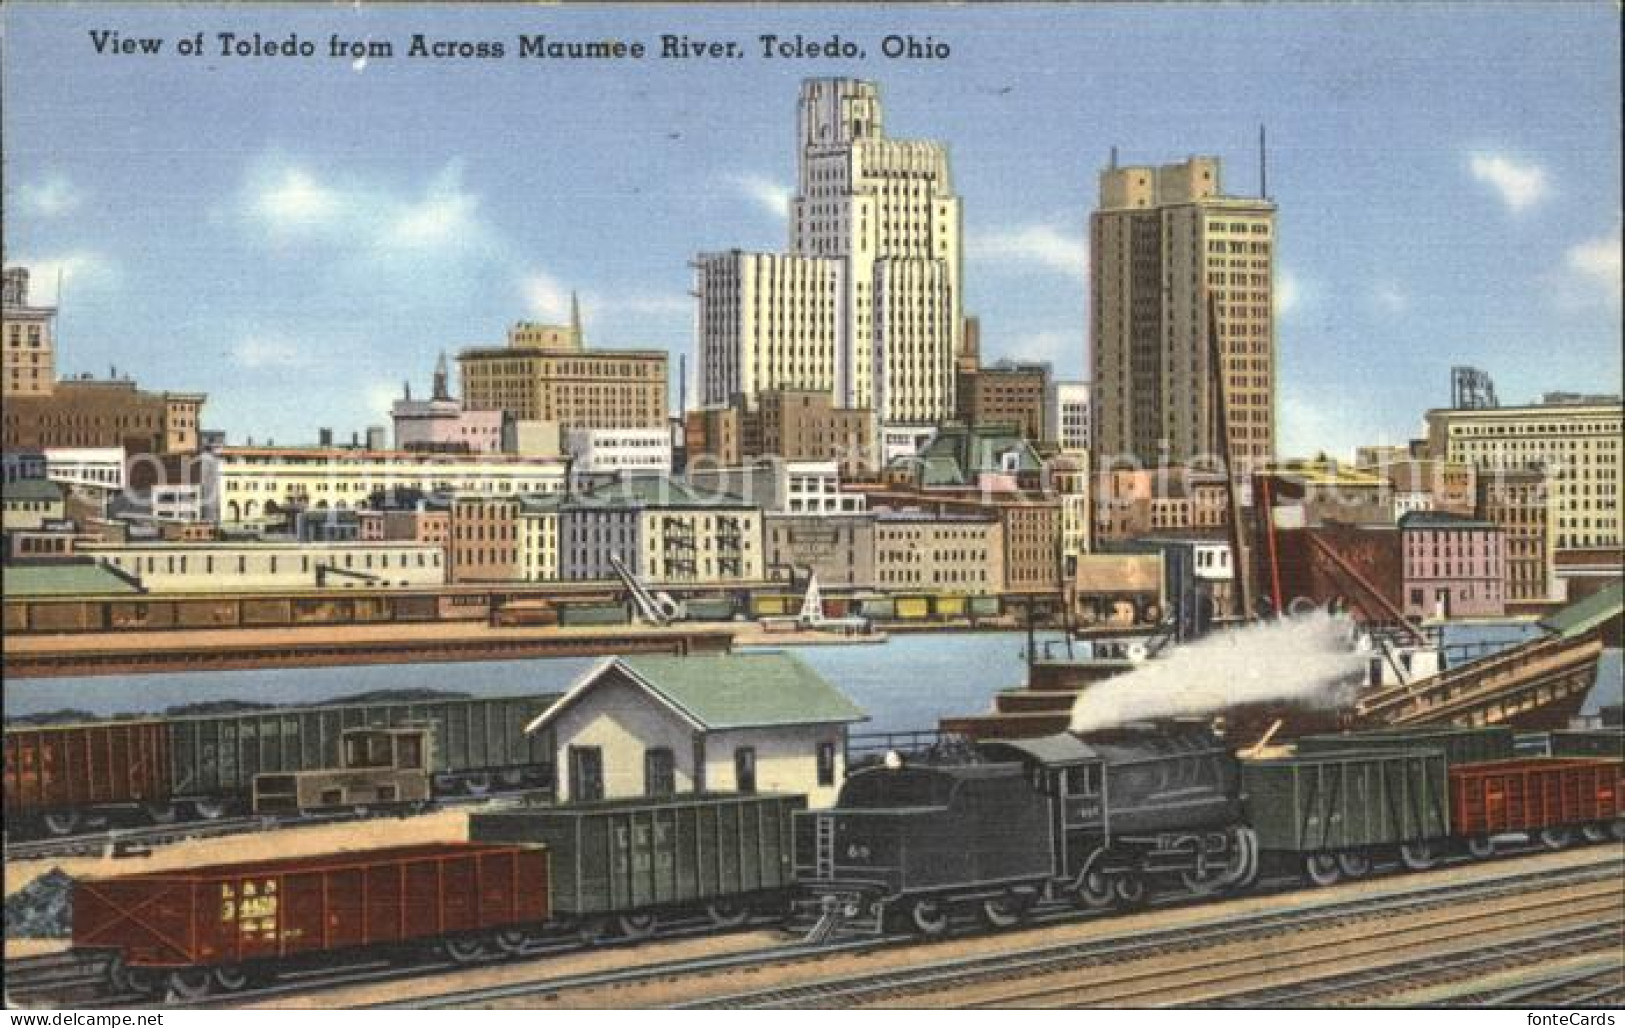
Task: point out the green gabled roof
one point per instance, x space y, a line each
1592 612
727 690
62 580
940 470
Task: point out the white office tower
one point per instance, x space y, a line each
867 303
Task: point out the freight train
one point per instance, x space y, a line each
273 760
1108 818
1104 820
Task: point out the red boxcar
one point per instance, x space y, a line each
66 767
1536 793
232 915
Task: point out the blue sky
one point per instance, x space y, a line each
296 236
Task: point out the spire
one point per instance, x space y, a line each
575 316
441 390
406 385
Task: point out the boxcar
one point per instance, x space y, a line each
709 609
52 771
635 860
1548 796
194 928
1460 745
571 614
1331 810
1591 742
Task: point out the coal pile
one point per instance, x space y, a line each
42 909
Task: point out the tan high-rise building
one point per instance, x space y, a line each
547 374
1575 438
867 303
1163 242
29 349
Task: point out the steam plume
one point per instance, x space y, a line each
1305 660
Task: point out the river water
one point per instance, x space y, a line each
905 684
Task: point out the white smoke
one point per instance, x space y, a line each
1305 660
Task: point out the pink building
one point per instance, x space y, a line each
1454 566
441 425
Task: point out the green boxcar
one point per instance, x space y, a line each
879 608
618 856
1460 745
709 609
1347 800
1587 742
219 755
984 606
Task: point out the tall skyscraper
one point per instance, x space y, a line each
1163 243
30 345
867 302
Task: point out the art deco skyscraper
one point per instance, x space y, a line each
1163 244
867 302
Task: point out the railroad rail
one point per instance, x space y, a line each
1599 984
1120 947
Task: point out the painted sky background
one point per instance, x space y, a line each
296 236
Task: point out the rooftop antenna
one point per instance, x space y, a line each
1263 166
1114 158
682 386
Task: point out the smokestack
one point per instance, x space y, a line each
1263 167
324 437
682 385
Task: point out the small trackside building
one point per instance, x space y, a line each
661 726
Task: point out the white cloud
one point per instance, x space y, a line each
1039 245
545 297
257 352
768 194
1061 349
1390 297
445 216
76 271
1519 184
290 199
1593 268
380 398
1292 293
50 197
1310 427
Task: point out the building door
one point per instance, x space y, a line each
586 773
659 772
745 769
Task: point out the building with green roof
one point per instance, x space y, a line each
745 722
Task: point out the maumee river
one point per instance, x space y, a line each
905 684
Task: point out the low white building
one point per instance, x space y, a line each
784 486
897 440
240 567
99 468
736 722
1069 414
608 452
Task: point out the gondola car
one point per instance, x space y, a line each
204 767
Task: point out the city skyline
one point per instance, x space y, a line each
336 238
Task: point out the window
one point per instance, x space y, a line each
586 773
659 772
826 763
745 769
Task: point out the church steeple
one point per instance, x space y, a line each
442 390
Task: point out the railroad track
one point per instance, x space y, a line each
1601 984
119 842
1135 944
54 975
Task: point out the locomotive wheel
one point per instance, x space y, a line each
477 785
139 980
1556 838
928 917
1482 847
62 822
1095 891
210 810
728 913
512 940
1129 891
1418 856
465 950
637 926
1354 863
1004 912
190 985
1322 869
231 979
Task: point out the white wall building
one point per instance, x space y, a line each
868 300
98 468
1069 413
904 441
608 452
660 726
784 486
237 567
